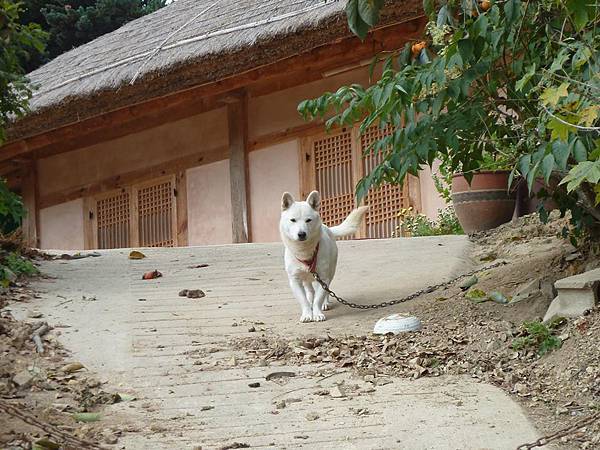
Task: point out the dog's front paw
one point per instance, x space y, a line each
306 317
318 317
326 305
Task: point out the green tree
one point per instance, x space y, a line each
506 82
72 23
18 44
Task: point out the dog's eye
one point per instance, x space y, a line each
293 220
308 220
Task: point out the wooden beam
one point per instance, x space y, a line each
237 116
30 194
135 176
289 72
180 164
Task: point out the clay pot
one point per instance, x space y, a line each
486 203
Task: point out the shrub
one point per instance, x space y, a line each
420 225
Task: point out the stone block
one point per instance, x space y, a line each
576 295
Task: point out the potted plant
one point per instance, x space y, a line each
485 198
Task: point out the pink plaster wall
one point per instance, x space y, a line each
278 111
431 201
273 171
147 148
209 204
61 226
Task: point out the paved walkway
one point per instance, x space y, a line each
174 352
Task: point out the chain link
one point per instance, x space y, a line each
70 441
412 296
543 441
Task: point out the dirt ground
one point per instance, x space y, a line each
461 336
52 399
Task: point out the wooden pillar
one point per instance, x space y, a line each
30 194
237 113
181 208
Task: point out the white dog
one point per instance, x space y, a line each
310 245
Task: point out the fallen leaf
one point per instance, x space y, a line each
275 375
86 417
72 367
136 255
46 444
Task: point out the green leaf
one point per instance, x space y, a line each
547 166
524 164
443 16
551 96
369 11
561 152
586 171
581 56
578 11
560 130
579 151
512 10
355 22
531 176
465 48
429 7
520 84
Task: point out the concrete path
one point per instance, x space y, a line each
175 353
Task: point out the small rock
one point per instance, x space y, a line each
254 385
195 293
312 416
251 330
23 379
183 293
337 392
111 439
206 408
34 314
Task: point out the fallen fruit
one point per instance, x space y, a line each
417 47
151 275
485 5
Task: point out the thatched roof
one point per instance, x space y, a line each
200 41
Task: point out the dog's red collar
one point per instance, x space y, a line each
312 262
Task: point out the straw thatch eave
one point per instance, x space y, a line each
94 95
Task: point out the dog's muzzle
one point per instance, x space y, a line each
301 236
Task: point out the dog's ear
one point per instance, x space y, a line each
286 201
314 200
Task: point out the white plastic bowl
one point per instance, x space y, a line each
397 323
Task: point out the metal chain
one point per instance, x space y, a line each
412 296
69 440
561 433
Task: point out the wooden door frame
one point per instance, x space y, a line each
308 180
90 211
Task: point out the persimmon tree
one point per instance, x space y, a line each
492 84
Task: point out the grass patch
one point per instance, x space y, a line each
539 337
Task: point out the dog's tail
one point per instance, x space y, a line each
351 224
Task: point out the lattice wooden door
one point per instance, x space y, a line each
386 201
113 220
156 218
143 215
333 164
